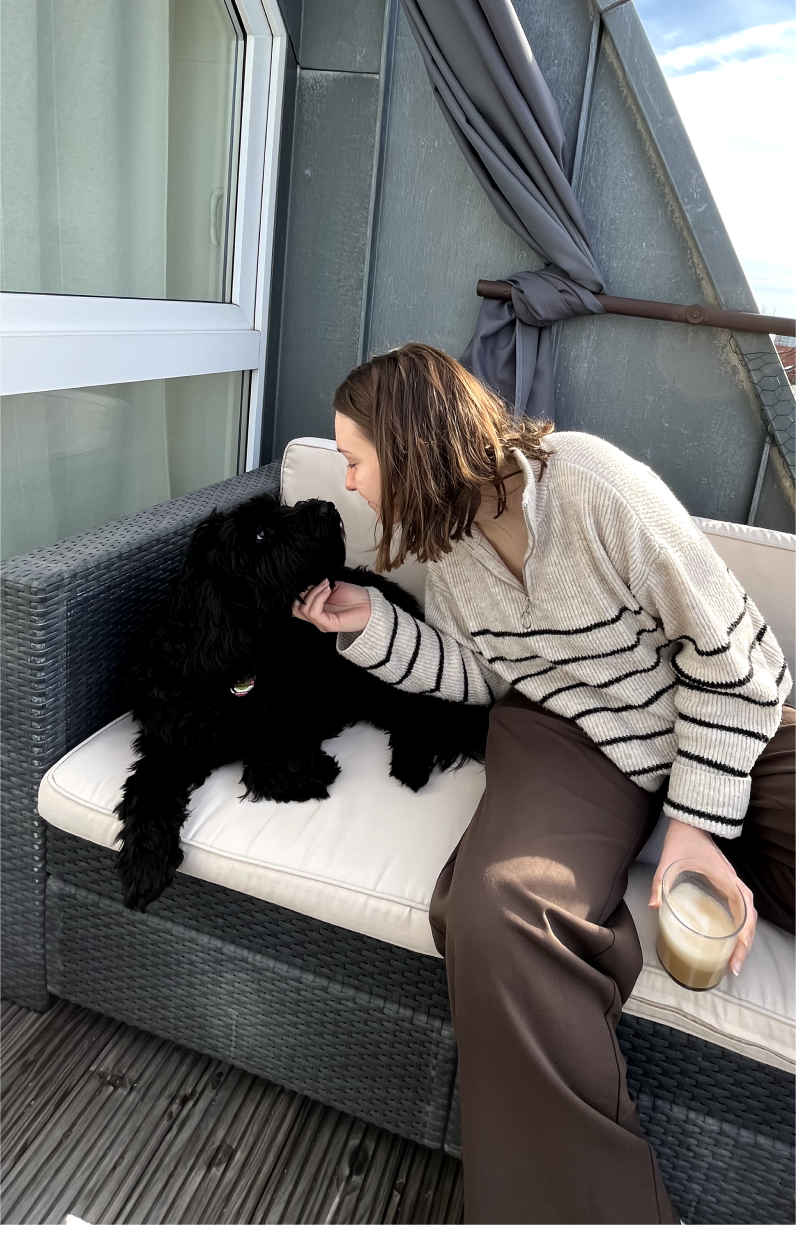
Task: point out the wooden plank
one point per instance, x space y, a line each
357 1159
38 1055
316 1170
419 1196
116 1125
405 1163
95 1151
185 1151
33 1104
206 1168
288 1167
376 1189
444 1207
34 1172
231 1151
256 1170
106 1194
166 1143
320 1198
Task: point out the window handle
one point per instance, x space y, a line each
216 216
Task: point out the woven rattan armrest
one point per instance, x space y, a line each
69 612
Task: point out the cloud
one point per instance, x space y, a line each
736 108
677 23
742 45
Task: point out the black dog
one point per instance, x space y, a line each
228 674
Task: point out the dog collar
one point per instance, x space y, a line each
242 687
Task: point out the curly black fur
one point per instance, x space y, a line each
228 618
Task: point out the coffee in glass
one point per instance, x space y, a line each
702 912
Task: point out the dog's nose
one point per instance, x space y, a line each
326 509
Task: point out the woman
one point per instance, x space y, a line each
567 584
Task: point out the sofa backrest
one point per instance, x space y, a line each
764 561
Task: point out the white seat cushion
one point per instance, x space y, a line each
364 859
367 860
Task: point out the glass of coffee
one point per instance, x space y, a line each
702 913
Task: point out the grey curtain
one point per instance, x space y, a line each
496 102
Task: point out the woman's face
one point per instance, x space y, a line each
363 473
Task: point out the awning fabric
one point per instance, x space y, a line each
499 109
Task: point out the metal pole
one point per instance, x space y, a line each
669 312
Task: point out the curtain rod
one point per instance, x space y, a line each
668 312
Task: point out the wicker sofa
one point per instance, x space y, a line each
320 974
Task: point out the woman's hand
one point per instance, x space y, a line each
683 840
344 609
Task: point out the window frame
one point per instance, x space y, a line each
51 342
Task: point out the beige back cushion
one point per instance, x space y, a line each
764 561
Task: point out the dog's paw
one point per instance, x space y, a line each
324 768
145 875
304 779
411 771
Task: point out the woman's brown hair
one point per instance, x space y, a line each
442 440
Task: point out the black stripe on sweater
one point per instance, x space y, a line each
724 727
383 662
717 650
719 686
648 770
466 682
600 624
603 684
716 766
697 813
589 628
635 736
741 697
578 658
696 687
438 681
619 710
415 653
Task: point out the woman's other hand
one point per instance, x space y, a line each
683 840
344 609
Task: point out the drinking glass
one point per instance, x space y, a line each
702 912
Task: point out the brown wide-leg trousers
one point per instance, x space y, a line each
541 952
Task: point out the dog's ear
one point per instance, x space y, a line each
203 602
213 545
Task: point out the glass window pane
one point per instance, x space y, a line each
75 459
118 169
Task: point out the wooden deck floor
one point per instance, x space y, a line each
115 1125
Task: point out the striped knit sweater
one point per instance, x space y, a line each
628 624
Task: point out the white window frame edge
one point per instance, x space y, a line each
51 342
264 210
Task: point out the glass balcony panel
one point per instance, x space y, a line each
121 127
72 460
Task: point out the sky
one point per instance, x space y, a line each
730 67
